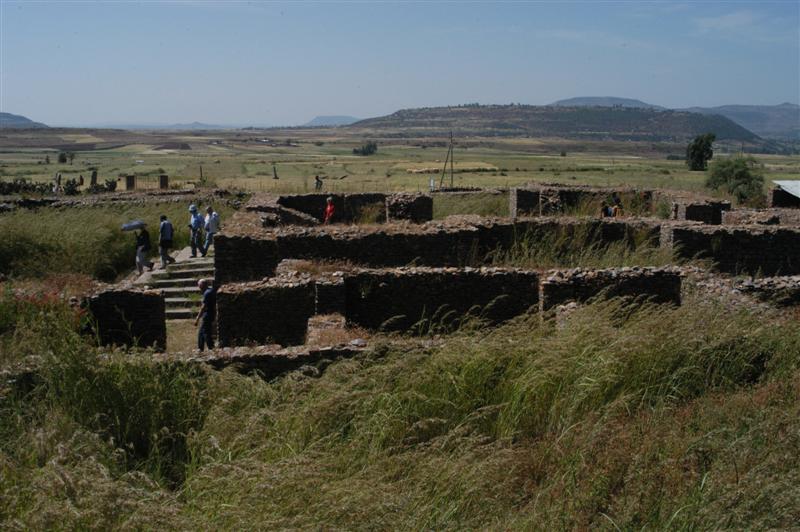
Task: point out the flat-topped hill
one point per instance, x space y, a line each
618 123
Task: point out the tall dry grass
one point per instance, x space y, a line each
629 417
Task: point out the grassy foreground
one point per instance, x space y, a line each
619 418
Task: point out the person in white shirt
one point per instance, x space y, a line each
212 227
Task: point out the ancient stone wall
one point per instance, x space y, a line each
660 285
416 208
128 317
761 217
264 313
397 299
708 212
460 241
768 250
552 199
269 361
780 291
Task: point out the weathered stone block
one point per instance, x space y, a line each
128 317
264 313
417 208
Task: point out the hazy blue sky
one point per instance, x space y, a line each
74 63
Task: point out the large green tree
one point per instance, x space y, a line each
699 151
739 177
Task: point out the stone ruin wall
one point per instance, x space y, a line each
397 299
762 217
308 209
778 291
765 250
254 254
129 317
660 285
551 199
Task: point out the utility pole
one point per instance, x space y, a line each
449 158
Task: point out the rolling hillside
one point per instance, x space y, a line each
331 121
579 122
775 121
7 120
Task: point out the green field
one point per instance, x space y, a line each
240 160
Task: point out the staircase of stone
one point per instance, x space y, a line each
179 284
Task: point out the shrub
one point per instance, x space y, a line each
738 177
369 148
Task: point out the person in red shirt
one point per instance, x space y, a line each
329 210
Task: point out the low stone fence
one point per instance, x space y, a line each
779 291
767 250
708 211
268 361
659 285
761 217
457 241
400 299
129 317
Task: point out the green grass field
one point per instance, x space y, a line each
228 161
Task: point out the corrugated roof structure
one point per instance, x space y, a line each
792 187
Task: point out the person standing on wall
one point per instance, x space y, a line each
196 224
329 211
208 310
212 227
165 234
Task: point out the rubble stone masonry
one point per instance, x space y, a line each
278 310
767 250
660 285
128 317
252 253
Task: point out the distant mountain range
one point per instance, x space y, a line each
7 120
575 122
769 121
331 121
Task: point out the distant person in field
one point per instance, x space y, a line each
212 227
196 224
605 210
208 310
142 249
317 183
329 211
165 234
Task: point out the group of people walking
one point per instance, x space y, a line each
198 225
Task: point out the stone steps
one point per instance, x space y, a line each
179 284
196 273
176 282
